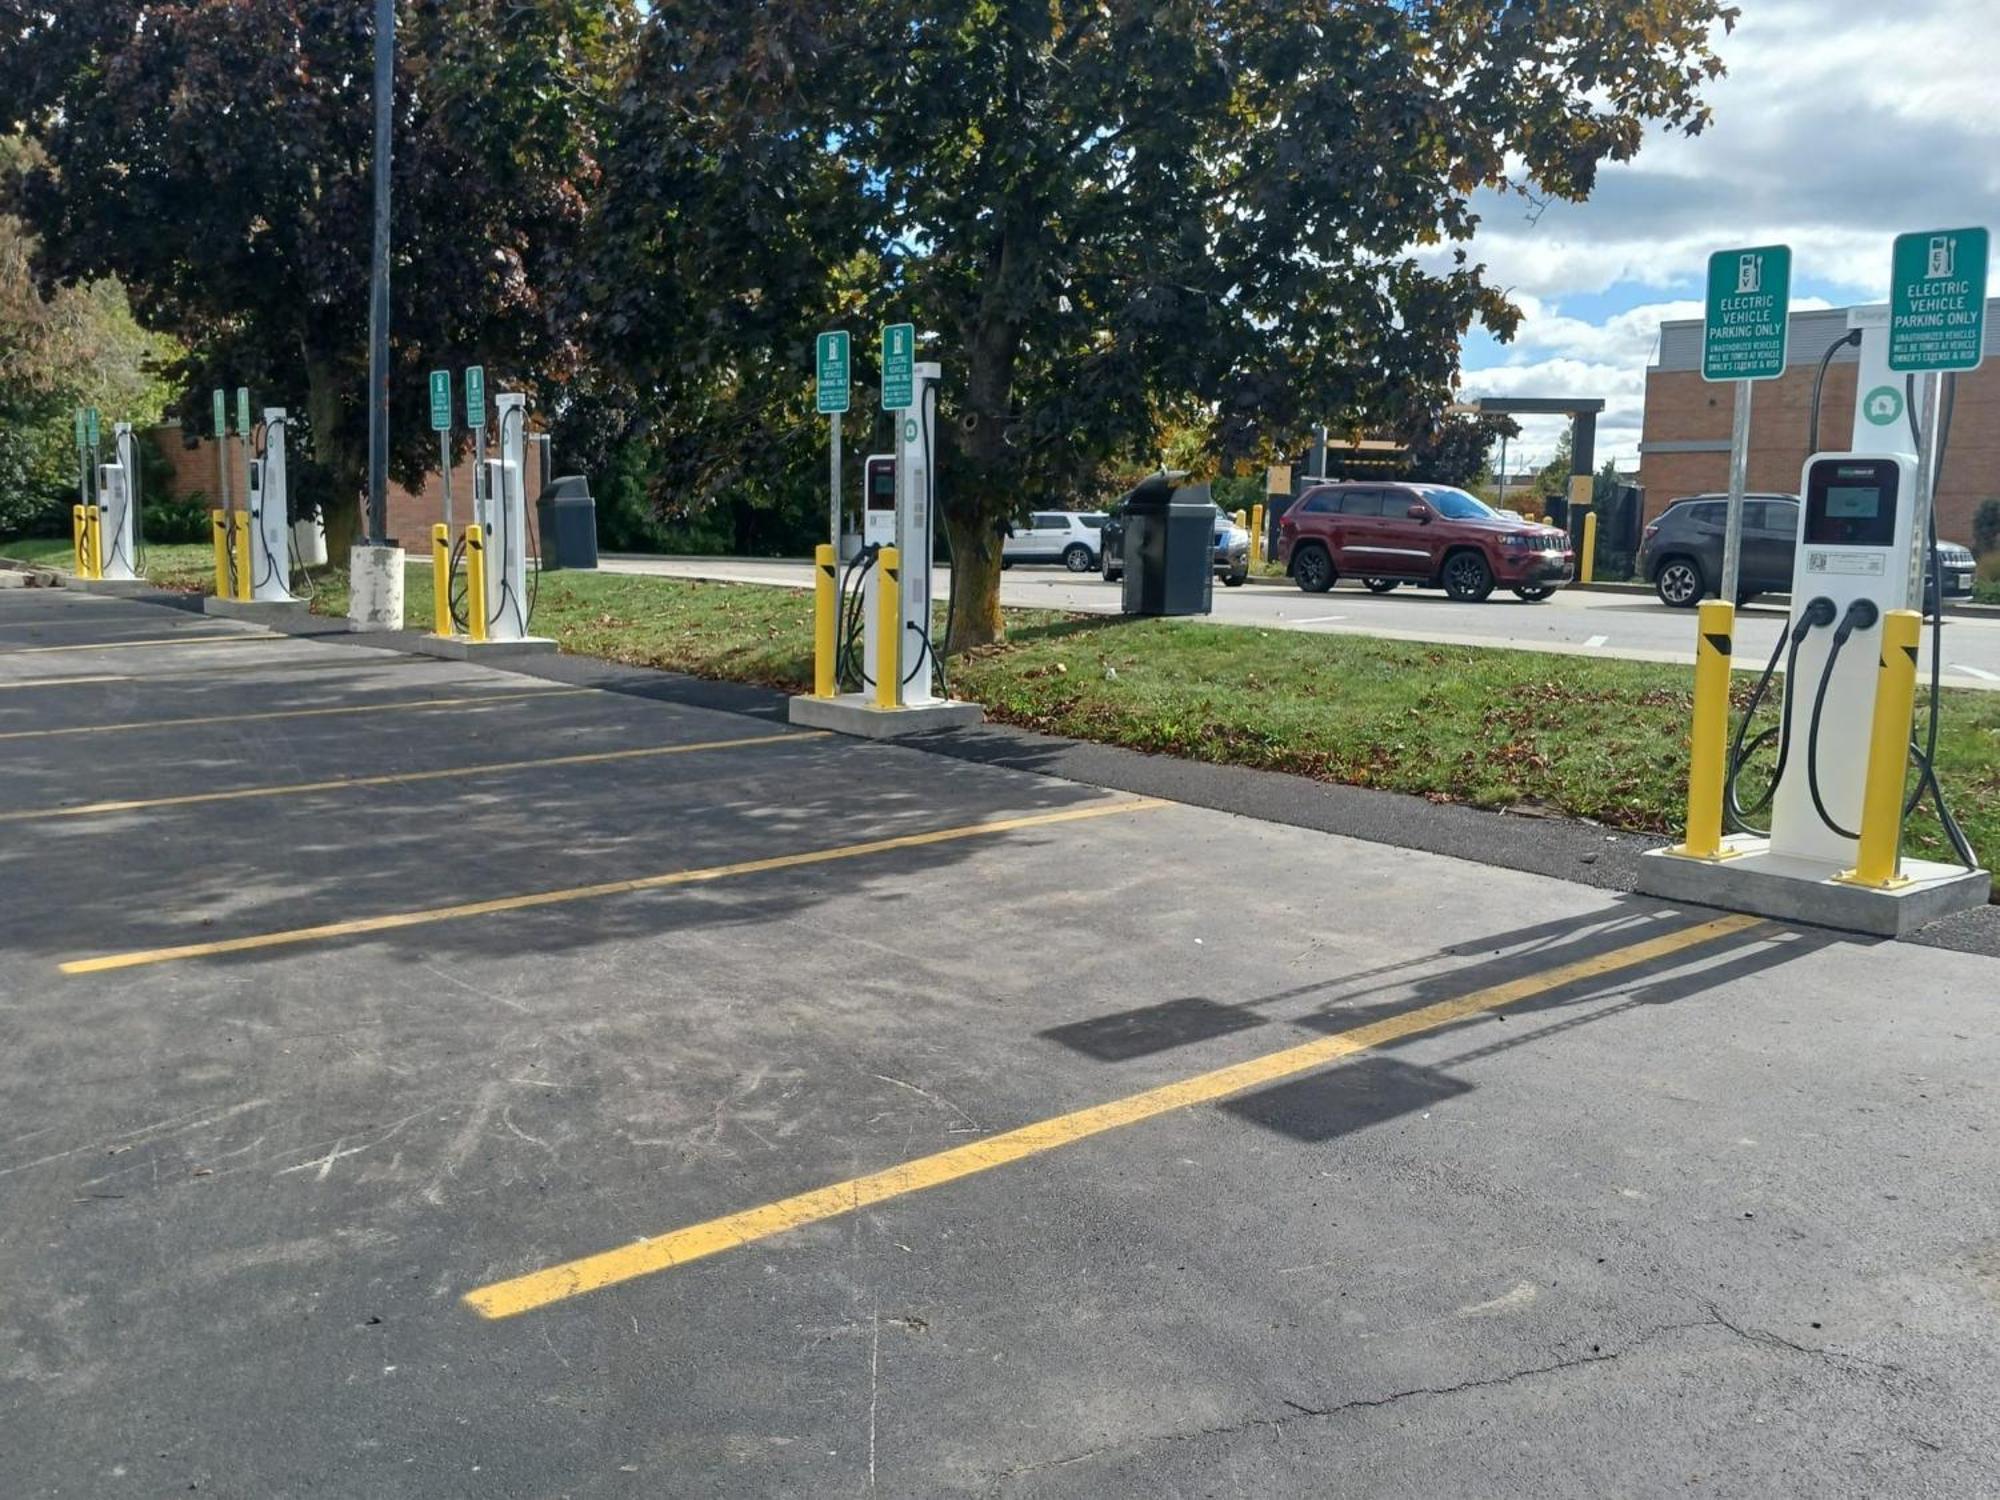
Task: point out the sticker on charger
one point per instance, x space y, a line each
1868 564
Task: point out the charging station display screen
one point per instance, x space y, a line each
882 486
1851 504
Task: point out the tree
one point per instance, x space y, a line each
1110 208
75 347
1457 448
214 155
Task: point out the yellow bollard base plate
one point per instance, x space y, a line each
1893 883
1681 851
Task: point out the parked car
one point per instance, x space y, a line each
1680 553
1429 535
1232 548
1070 537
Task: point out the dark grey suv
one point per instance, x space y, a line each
1681 552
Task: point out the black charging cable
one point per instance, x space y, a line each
851 602
1851 337
1862 614
1816 616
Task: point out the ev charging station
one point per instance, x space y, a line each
118 522
1844 741
270 517
495 551
873 618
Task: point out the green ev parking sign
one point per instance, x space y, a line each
1749 309
899 366
243 408
440 401
475 397
80 429
833 371
92 430
1937 301
221 415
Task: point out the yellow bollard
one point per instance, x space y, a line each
1256 533
889 630
241 521
1878 861
76 541
825 605
1587 564
1708 763
93 541
475 582
218 520
441 580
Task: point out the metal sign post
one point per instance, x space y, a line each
243 436
832 363
441 425
1937 322
475 418
222 446
1743 341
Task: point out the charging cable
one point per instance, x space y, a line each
851 604
1862 614
1817 615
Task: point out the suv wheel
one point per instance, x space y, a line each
1467 578
1379 585
1679 583
1076 557
1312 569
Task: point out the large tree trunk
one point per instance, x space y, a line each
975 578
345 461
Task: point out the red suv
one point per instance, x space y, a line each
1430 535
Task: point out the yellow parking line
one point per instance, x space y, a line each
396 778
395 920
283 713
214 639
506 1299
67 681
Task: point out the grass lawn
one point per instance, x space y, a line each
1599 739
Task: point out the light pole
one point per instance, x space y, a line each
378 299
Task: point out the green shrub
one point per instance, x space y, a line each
1986 527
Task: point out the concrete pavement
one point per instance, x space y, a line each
1635 627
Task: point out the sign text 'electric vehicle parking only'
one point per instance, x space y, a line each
899 366
1937 301
832 364
1749 308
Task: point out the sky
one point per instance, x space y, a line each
1842 123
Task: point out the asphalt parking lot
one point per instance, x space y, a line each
421 1080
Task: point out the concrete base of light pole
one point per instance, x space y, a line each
375 577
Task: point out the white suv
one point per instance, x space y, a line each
1069 537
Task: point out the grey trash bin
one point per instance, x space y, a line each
566 518
1169 548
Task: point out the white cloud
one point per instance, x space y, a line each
1841 123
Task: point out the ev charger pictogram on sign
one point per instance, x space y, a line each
1743 336
1937 301
833 364
899 366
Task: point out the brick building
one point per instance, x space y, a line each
1685 443
411 514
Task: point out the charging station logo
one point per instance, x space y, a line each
1883 406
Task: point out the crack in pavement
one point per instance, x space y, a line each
1713 1318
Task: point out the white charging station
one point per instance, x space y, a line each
118 559
270 516
898 510
1860 533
